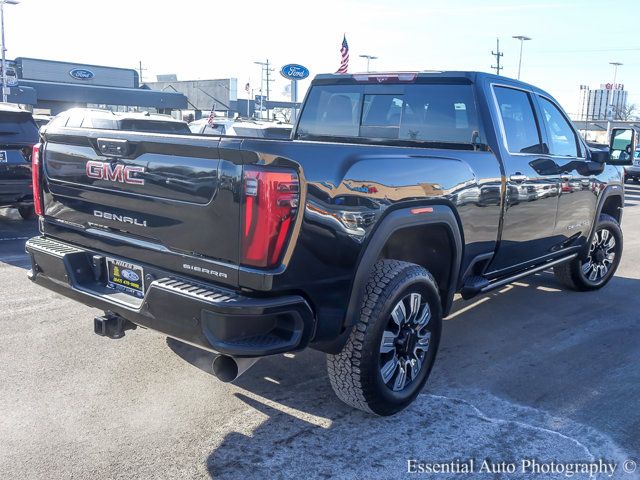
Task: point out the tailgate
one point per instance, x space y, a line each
169 200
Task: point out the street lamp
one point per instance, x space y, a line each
522 39
369 58
5 92
615 71
613 90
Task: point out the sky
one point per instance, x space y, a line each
572 43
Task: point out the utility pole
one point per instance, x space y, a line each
498 54
5 89
140 70
265 76
522 39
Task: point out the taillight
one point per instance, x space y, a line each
270 205
35 179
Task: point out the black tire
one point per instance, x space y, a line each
578 274
356 373
26 212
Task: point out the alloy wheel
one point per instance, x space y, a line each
602 254
405 342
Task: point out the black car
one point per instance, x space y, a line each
18 134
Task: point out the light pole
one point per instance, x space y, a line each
522 39
610 113
5 92
369 58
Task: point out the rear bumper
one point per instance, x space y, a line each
203 315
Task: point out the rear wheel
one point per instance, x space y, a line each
391 350
599 264
26 212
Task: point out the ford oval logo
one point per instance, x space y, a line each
81 74
293 71
130 275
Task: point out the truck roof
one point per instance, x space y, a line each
413 76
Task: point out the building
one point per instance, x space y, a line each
605 103
220 94
52 87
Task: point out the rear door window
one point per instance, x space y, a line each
519 121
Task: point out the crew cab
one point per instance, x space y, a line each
396 191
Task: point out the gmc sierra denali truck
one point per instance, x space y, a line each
395 192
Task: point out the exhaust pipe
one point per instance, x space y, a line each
227 368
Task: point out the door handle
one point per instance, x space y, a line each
518 178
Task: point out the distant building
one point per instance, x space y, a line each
52 86
220 94
604 103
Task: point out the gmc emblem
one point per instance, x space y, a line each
114 173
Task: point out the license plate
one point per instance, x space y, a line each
125 277
3 156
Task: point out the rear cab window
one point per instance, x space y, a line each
428 113
17 128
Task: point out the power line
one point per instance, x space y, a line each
498 54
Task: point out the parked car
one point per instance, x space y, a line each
41 120
632 172
396 191
242 128
131 121
18 135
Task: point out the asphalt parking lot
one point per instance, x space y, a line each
530 372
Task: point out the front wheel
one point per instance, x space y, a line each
392 348
599 264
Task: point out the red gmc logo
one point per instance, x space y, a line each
114 173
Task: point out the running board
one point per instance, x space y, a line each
477 285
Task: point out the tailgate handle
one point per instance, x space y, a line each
113 147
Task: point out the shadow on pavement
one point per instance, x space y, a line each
569 355
14 232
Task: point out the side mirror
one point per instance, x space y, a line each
622 146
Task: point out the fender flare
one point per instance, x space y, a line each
442 215
609 191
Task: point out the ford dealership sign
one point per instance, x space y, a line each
81 74
293 71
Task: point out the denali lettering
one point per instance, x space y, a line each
114 173
119 218
186 266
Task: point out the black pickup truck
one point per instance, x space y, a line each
395 192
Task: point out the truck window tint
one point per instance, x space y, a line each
445 113
519 121
75 120
17 127
424 113
332 110
561 137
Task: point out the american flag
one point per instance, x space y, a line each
344 51
212 116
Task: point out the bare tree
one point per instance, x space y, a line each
625 112
282 114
